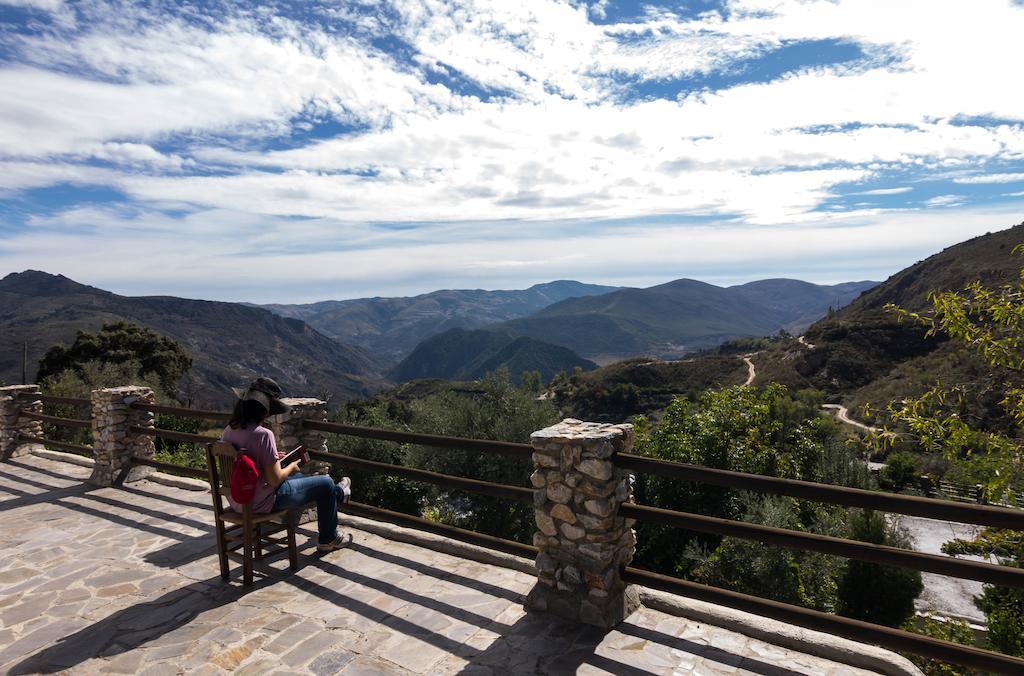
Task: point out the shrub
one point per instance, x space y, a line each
901 470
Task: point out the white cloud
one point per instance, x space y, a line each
178 114
990 178
166 260
884 191
945 201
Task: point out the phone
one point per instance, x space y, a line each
297 454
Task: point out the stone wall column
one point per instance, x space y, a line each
583 541
13 423
290 432
112 439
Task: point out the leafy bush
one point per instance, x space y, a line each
901 470
499 411
947 629
761 431
874 593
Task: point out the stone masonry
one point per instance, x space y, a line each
13 423
583 542
113 441
290 433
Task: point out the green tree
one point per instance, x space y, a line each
119 343
787 575
497 410
79 383
874 593
532 381
761 431
989 321
502 412
901 469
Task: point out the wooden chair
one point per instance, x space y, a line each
245 529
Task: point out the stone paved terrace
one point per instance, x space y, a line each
105 580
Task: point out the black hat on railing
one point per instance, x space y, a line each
266 392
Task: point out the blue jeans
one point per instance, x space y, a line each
298 490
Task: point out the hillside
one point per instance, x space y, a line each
680 317
229 342
461 354
798 304
392 327
615 392
864 354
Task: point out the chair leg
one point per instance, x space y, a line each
247 554
259 541
293 549
222 550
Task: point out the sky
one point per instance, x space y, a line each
301 151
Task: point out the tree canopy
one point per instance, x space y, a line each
120 343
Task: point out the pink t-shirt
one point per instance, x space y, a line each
260 444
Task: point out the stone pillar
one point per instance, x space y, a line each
13 424
290 433
113 441
582 539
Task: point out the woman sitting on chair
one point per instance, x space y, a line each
282 487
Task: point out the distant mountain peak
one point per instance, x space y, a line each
39 283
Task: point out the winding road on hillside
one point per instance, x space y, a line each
943 595
843 415
841 412
751 373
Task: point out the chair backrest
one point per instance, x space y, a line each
220 455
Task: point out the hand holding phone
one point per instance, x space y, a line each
298 454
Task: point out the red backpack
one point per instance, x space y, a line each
244 478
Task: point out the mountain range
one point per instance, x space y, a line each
230 343
671 320
548 327
392 327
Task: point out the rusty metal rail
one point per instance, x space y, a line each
77 449
53 399
504 447
184 412
460 534
982 515
893 639
55 420
850 549
172 435
495 490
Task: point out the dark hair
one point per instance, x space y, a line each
247 412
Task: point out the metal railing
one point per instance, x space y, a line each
73 423
986 515
841 626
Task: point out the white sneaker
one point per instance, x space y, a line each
343 540
346 488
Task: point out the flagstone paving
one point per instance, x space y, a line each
126 581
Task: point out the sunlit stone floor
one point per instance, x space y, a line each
126 581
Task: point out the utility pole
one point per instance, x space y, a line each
24 363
